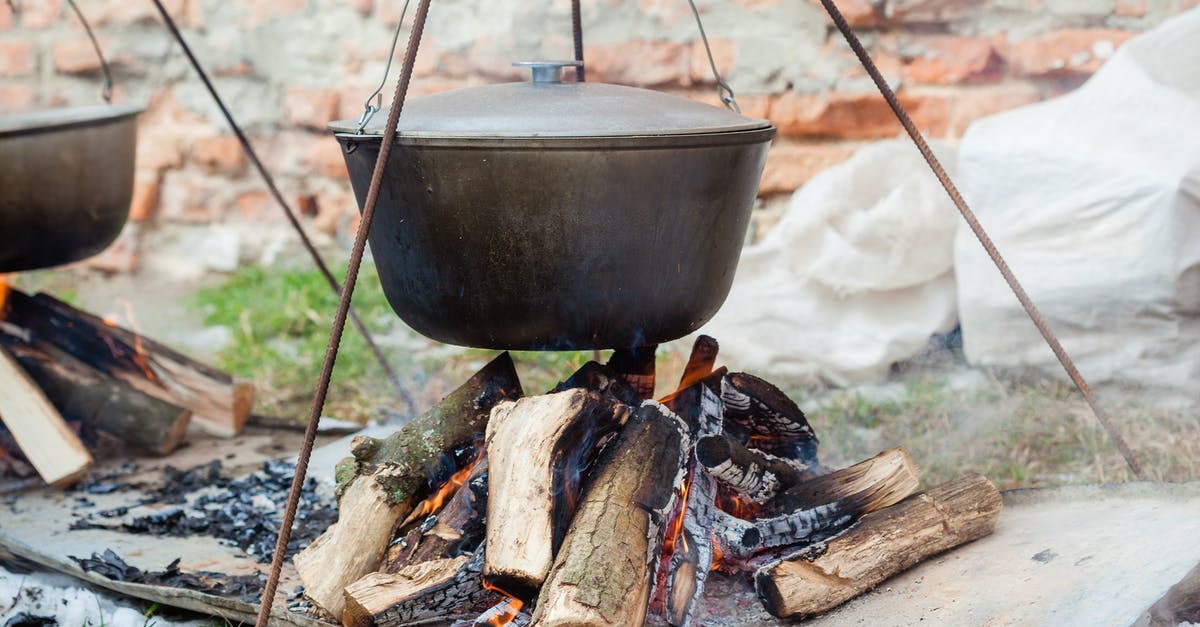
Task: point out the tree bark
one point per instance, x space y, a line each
759 412
98 401
881 544
603 573
536 448
219 404
385 478
51 447
429 590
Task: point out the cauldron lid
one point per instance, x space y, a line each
44 120
547 107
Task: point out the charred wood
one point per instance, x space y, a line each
750 473
603 573
219 404
601 378
51 447
881 544
864 487
636 366
103 405
435 589
386 478
763 414
536 447
455 530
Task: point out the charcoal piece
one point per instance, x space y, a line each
25 619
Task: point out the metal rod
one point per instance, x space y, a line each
577 34
405 397
106 90
339 320
1038 321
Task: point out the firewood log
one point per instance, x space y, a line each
428 590
756 475
98 401
756 409
636 366
386 478
881 544
865 487
603 573
458 528
536 447
601 378
38 429
219 404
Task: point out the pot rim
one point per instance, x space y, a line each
60 118
647 142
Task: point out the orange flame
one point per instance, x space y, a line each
3 293
677 524
501 615
718 555
141 358
434 502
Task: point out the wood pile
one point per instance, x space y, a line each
594 505
72 383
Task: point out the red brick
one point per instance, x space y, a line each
643 63
6 16
951 60
145 200
124 12
16 58
335 207
791 164
16 97
667 12
122 256
40 13
853 116
858 13
323 155
1068 52
930 11
261 11
222 154
311 107
1130 8
254 206
725 53
78 56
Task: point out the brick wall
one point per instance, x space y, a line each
287 67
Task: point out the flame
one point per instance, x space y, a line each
3 293
141 357
435 501
501 615
677 524
717 554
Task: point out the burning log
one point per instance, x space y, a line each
435 589
39 430
753 474
97 401
507 613
636 367
600 378
883 543
692 550
219 404
384 480
866 486
604 571
458 528
757 410
536 447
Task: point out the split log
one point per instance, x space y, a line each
603 573
873 484
636 366
692 551
762 413
753 474
881 544
219 404
425 591
455 530
537 448
386 478
51 447
601 378
98 401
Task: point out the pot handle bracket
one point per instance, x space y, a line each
107 89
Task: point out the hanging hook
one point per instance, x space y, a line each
369 109
724 91
107 89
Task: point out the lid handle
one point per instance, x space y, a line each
547 71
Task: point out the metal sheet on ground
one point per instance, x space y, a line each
35 525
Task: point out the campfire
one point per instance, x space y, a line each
72 383
594 505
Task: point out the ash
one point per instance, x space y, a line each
243 512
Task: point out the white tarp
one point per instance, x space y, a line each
1094 199
856 276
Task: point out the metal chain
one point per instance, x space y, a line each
339 320
724 91
405 397
107 89
1038 321
369 110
